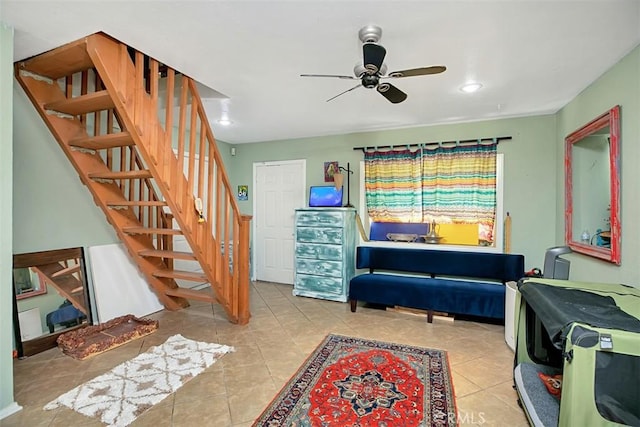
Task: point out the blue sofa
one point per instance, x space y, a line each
469 283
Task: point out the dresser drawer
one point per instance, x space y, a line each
315 251
319 267
321 285
319 235
319 219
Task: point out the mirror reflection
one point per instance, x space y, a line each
592 184
51 297
592 195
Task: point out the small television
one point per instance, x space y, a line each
325 196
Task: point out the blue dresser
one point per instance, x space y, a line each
325 252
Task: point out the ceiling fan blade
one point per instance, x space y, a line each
437 69
342 93
373 55
329 75
392 93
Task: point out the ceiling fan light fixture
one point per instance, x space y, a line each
370 34
470 87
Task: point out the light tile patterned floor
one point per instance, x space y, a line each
282 332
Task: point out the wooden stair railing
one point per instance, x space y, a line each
102 102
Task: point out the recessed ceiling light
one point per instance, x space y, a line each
224 122
470 87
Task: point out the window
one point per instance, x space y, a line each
498 224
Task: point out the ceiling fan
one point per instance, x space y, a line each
373 69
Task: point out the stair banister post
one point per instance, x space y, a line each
243 270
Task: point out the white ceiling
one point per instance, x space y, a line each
532 57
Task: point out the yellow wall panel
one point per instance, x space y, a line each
458 234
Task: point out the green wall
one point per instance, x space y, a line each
618 86
51 207
529 158
7 405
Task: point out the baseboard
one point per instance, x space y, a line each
421 313
9 410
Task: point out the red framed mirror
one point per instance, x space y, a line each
592 188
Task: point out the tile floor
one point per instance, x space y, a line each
282 332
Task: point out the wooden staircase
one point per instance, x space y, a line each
138 136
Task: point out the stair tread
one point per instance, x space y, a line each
137 174
60 62
192 294
52 269
167 254
180 274
149 230
95 101
68 270
136 203
100 142
67 283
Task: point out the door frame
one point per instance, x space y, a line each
303 183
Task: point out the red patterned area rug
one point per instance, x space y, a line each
357 382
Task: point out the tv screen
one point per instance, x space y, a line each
325 196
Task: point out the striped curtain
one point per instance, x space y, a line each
459 185
451 183
393 185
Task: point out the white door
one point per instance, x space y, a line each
279 188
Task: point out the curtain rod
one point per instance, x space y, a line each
496 139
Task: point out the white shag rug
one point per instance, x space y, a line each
119 396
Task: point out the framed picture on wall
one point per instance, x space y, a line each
330 168
243 192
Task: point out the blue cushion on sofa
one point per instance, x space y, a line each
379 230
